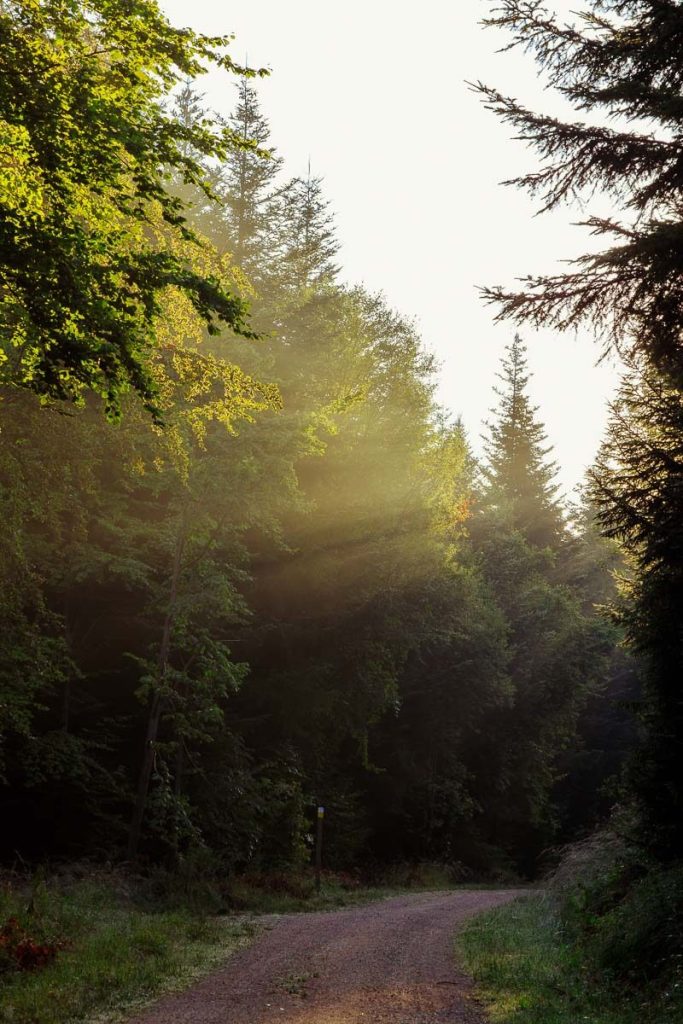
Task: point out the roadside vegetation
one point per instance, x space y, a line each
602 945
289 892
607 945
86 948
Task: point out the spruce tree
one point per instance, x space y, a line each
620 61
637 485
309 243
237 213
249 184
623 59
555 649
518 475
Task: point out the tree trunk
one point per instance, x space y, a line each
156 706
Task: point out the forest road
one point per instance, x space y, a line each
383 963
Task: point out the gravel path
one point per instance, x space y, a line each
383 963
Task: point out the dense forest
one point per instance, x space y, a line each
249 565
265 597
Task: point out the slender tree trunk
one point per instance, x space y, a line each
66 705
66 693
156 706
179 770
178 790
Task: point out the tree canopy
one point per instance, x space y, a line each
89 232
296 592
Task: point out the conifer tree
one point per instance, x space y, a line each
637 485
619 61
555 654
309 242
517 473
622 60
248 184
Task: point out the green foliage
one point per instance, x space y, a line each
293 593
532 972
603 944
619 61
623 912
557 649
519 480
114 954
622 59
637 938
638 490
86 220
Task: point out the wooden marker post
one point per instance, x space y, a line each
319 847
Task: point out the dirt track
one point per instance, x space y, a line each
383 963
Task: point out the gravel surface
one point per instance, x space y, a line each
382 963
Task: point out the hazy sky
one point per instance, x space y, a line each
374 93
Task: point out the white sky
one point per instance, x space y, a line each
374 92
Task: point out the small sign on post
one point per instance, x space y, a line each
319 847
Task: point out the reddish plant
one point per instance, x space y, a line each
20 951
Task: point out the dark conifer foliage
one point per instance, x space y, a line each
557 651
248 184
308 242
621 61
637 486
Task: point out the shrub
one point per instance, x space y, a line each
283 883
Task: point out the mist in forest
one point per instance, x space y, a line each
301 586
257 574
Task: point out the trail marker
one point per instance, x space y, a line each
319 847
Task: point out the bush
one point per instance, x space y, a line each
198 882
640 939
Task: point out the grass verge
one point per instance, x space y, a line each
529 972
114 956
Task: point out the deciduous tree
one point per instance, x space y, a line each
87 148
